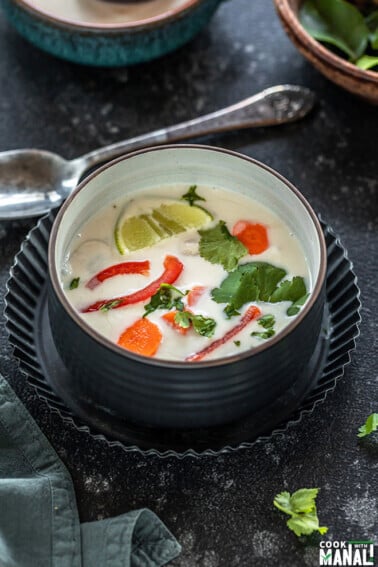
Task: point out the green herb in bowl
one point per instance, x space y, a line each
351 32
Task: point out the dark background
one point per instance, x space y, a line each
220 509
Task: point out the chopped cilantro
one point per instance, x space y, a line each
264 334
267 321
369 426
301 507
110 305
203 326
169 297
291 290
237 343
218 246
258 281
183 318
166 297
192 196
74 283
295 307
230 311
250 282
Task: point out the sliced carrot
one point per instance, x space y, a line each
254 236
170 319
252 313
143 337
194 294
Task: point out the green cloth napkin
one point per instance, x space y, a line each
39 522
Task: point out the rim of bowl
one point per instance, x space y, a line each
98 337
147 22
290 17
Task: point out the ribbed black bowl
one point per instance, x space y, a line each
178 394
30 335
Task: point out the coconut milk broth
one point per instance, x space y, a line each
93 249
103 12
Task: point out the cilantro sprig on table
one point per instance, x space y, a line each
218 246
260 281
370 425
301 508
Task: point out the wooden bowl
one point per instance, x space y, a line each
335 68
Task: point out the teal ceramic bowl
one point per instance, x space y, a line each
109 44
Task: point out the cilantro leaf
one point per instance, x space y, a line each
183 319
218 246
367 62
282 502
230 311
74 283
192 196
303 500
264 334
237 343
258 281
110 305
290 290
267 321
305 524
301 508
203 326
372 24
337 23
250 282
166 297
295 307
369 426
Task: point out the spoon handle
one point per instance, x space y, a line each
276 105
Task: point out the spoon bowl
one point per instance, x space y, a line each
32 182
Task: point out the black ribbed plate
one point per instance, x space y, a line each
29 333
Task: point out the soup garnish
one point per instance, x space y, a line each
197 281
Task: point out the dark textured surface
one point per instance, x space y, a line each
220 509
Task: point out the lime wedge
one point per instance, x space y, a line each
143 231
169 224
162 232
134 233
185 215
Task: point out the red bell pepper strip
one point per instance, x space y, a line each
173 268
117 270
252 313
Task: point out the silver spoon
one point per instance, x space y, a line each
34 181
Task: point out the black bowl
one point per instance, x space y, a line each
161 393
